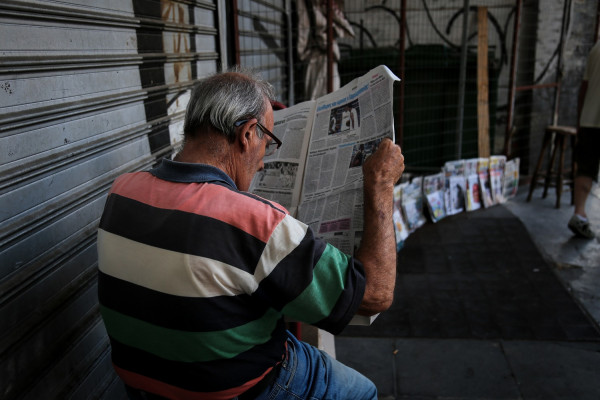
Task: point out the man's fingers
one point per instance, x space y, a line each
386 164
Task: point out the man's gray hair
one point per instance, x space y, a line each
220 100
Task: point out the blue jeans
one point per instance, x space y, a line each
309 373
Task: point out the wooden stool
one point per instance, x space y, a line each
560 134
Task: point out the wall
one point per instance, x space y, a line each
579 25
88 90
579 36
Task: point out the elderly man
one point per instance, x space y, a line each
196 274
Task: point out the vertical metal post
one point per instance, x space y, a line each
222 23
559 64
236 33
329 46
461 81
361 35
400 138
597 33
290 52
512 80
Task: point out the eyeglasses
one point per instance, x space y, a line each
273 145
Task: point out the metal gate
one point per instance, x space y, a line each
88 90
262 31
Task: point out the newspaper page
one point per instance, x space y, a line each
281 178
348 126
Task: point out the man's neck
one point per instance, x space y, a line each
211 149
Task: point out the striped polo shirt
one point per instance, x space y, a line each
195 277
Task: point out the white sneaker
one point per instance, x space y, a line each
581 227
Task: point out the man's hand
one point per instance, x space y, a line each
377 251
385 166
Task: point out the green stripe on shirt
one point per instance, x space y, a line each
185 346
319 298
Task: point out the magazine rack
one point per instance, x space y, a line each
560 134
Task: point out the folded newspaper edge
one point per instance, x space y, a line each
363 320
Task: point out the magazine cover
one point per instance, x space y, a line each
484 182
496 173
511 178
412 203
433 189
472 184
399 224
455 187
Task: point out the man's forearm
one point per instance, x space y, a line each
377 251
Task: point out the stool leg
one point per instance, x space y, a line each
550 169
545 143
559 176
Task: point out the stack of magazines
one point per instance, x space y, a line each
460 186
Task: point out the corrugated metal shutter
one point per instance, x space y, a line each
88 90
265 42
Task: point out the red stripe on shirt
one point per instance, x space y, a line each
173 392
199 198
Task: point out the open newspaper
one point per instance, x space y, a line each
317 172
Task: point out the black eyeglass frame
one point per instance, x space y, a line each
265 131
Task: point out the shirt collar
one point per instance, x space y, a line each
175 171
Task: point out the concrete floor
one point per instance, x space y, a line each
576 261
410 367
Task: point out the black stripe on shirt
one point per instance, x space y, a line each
192 314
181 232
293 274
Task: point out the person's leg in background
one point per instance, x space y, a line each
582 188
587 158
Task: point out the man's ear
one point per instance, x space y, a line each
243 134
